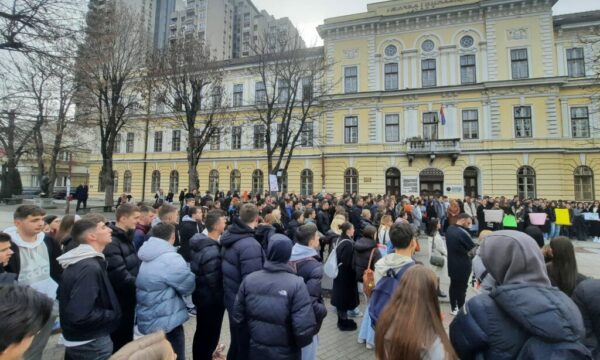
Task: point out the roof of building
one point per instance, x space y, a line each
577 18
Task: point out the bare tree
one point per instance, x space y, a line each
15 133
109 61
292 79
28 26
190 87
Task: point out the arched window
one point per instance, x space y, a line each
235 181
526 182
471 181
115 182
306 182
155 181
213 181
257 182
283 182
100 183
174 181
584 183
127 181
351 181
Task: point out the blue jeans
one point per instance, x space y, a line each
177 339
554 230
99 349
309 352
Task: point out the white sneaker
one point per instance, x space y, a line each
370 346
454 312
362 341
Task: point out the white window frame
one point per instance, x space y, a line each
385 128
357 78
589 122
462 131
529 68
514 128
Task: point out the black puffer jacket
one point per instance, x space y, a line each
308 266
362 252
587 298
242 256
323 221
273 304
205 261
188 227
292 228
263 233
123 264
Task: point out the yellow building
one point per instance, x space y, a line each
463 97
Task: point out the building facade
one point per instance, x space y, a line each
461 97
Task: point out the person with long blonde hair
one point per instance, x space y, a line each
413 306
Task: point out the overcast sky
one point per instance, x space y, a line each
308 14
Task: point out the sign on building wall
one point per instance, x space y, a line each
454 191
410 185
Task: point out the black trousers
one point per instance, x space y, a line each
240 341
458 291
124 333
208 331
177 339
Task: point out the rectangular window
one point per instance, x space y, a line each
307 88
428 73
391 76
392 128
117 144
467 69
351 130
523 122
215 139
129 142
470 121
306 135
519 64
259 136
279 135
283 89
580 122
176 141
158 141
216 95
238 95
236 138
350 79
430 125
260 93
575 62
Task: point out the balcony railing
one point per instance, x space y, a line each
440 146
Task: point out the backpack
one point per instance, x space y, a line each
383 292
331 266
536 348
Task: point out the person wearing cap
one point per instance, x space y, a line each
272 301
523 315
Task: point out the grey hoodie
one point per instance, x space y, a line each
300 252
521 261
390 261
81 252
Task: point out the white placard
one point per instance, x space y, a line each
273 185
493 216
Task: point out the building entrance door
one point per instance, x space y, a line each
431 182
392 182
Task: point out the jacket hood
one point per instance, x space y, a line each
120 233
154 248
364 244
300 252
201 241
521 262
236 232
81 252
263 229
280 249
390 261
541 310
16 238
188 218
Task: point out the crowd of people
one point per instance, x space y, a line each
128 286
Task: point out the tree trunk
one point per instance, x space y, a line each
11 180
108 181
